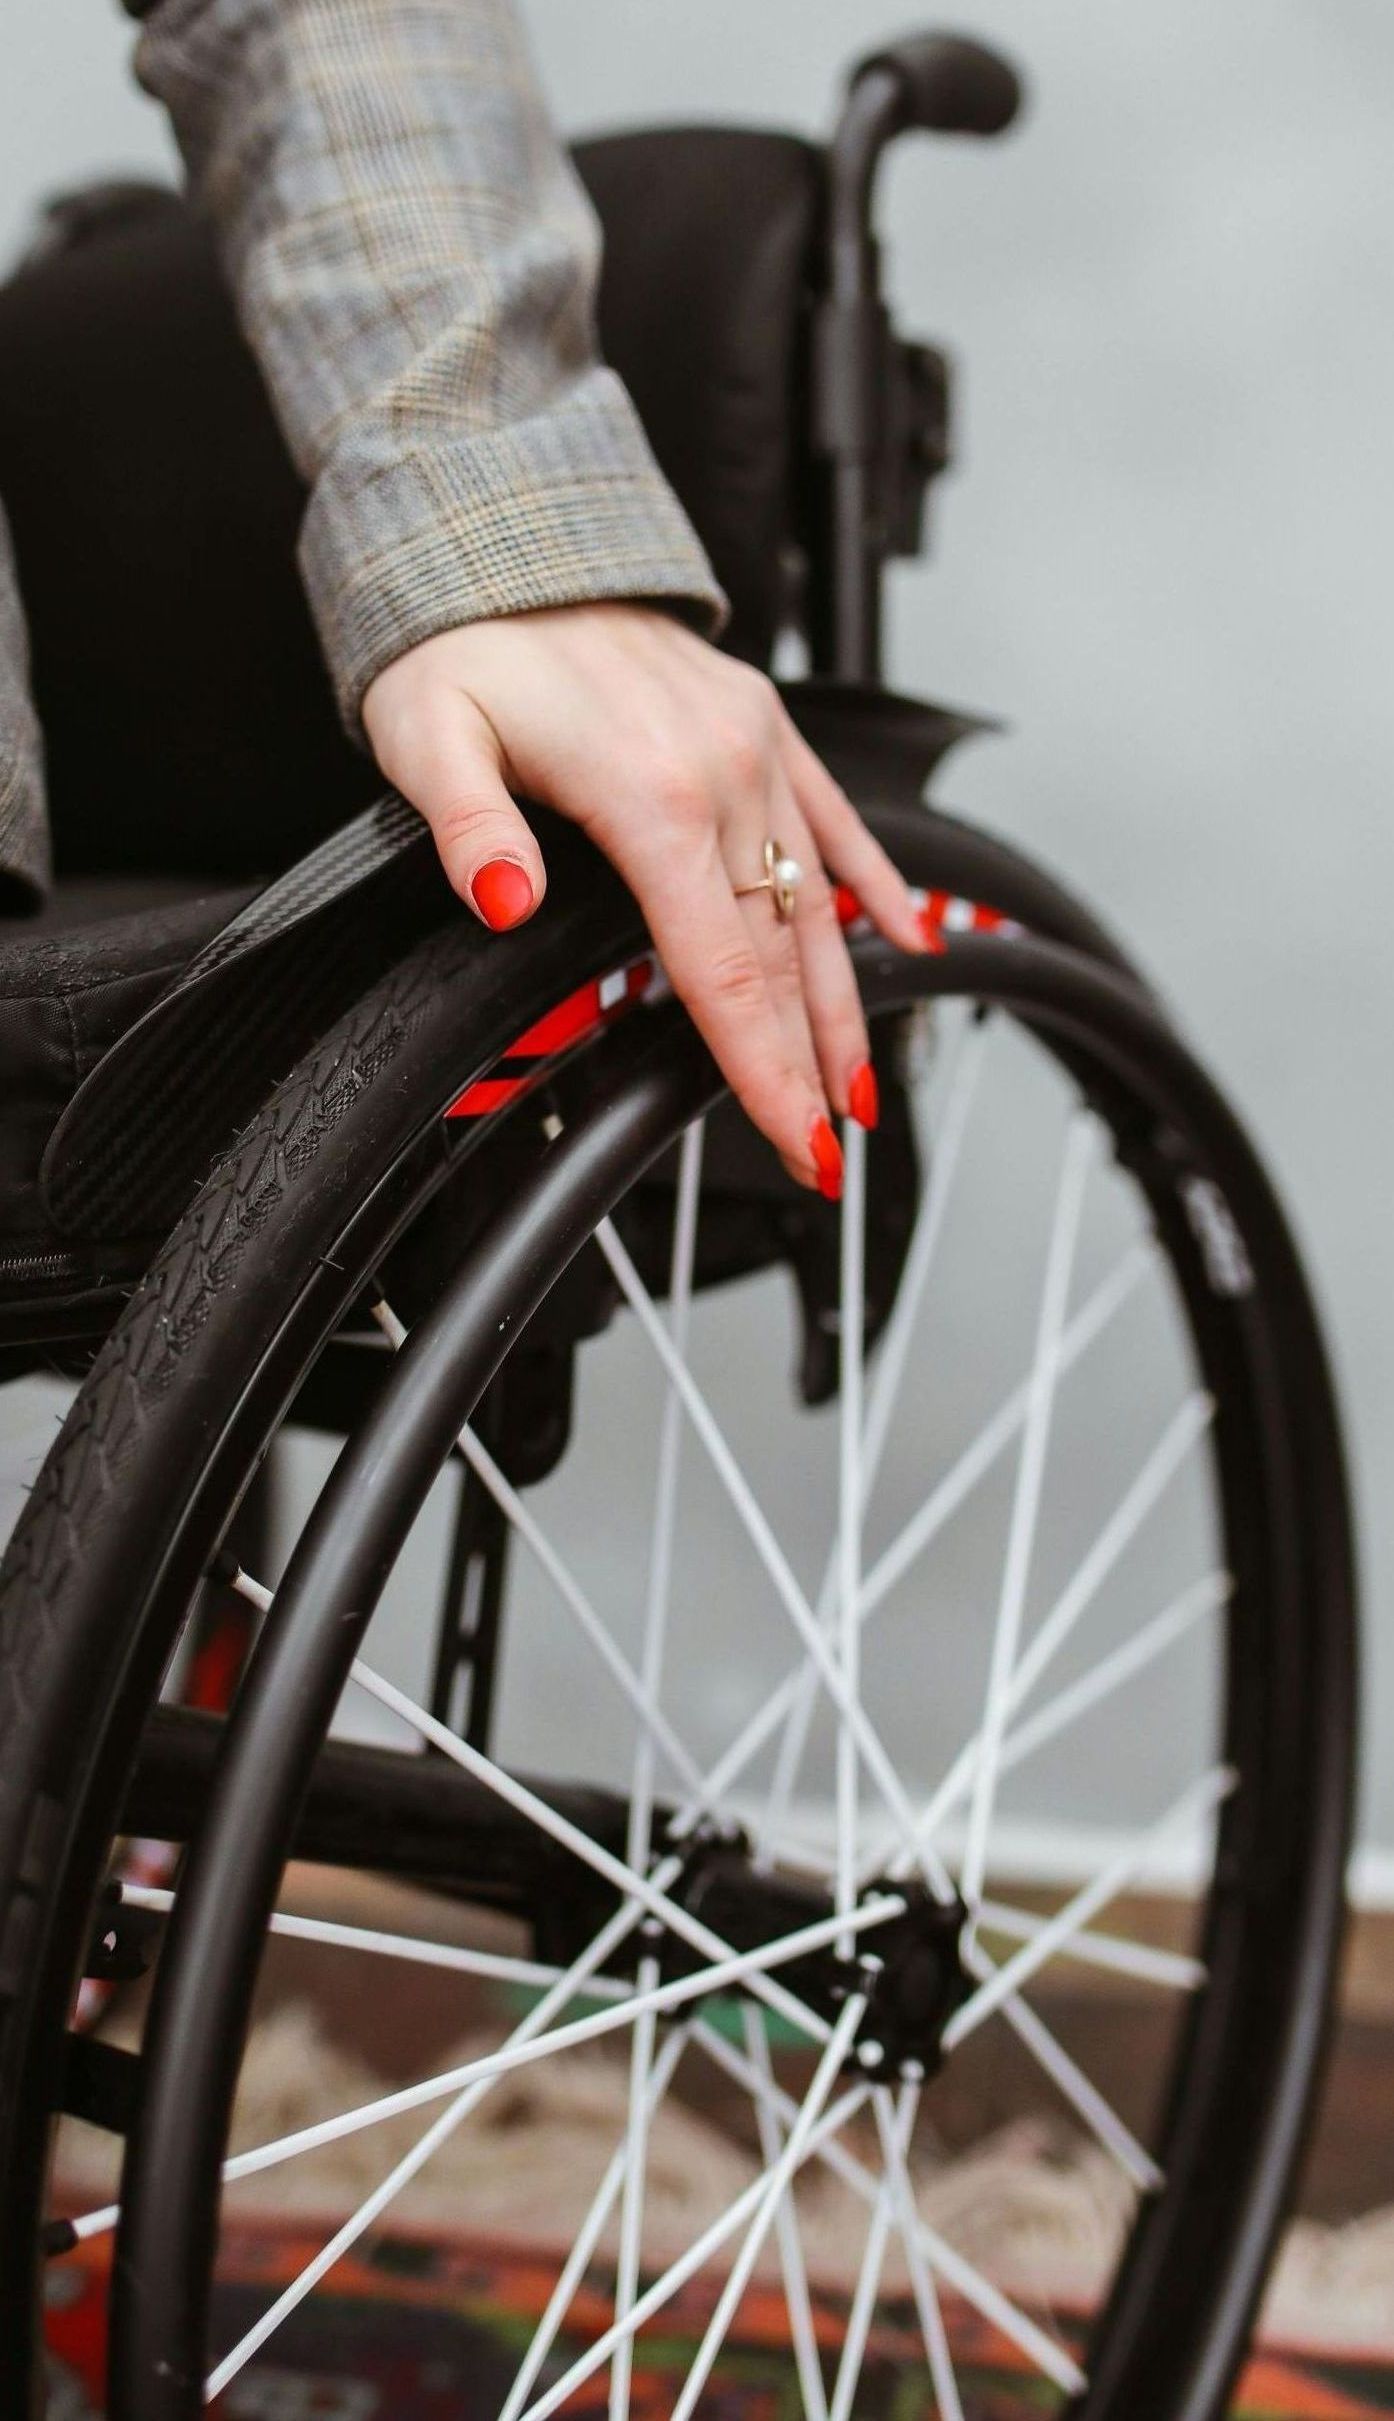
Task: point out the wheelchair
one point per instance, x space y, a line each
797 1556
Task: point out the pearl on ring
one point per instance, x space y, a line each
781 878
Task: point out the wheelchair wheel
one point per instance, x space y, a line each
746 1824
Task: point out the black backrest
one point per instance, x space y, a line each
710 241
154 511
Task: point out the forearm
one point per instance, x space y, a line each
414 263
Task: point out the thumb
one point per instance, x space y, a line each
452 772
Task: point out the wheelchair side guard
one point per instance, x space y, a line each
882 748
147 1122
150 1119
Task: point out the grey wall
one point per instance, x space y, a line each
1166 554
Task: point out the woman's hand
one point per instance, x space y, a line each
679 763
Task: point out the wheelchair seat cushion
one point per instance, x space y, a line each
72 979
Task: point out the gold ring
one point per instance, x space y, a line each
781 878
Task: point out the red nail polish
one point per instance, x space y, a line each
827 1159
502 893
863 1096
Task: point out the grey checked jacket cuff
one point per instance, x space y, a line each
563 508
24 852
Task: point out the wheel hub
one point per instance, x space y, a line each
910 1968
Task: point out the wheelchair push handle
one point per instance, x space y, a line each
931 83
881 407
946 85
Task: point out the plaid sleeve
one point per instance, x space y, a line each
24 857
415 262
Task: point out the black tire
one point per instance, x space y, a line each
168 1430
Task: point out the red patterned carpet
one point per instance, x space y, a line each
424 2330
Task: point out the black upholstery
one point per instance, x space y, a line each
710 238
192 742
154 510
71 980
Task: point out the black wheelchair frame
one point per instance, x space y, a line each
246 1792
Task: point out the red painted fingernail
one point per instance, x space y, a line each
502 893
863 1096
827 1159
848 906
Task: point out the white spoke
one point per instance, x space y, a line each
588 2236
895 2140
1074 2086
948 1130
947 1133
482 2075
494 1966
774 2188
931 2318
654 1725
849 1507
1140 1959
959 2273
685 1213
997 1434
1195 1803
773 1557
699 1412
743 1968
1122 1664
1189 1423
569 1983
535 2023
649 1891
1088 1324
796 2295
636 2150
748 1969
694 2259
1021 1535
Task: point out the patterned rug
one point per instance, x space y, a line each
432 2329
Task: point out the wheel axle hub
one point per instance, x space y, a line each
910 1967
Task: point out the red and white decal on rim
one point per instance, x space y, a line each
941 914
591 1005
